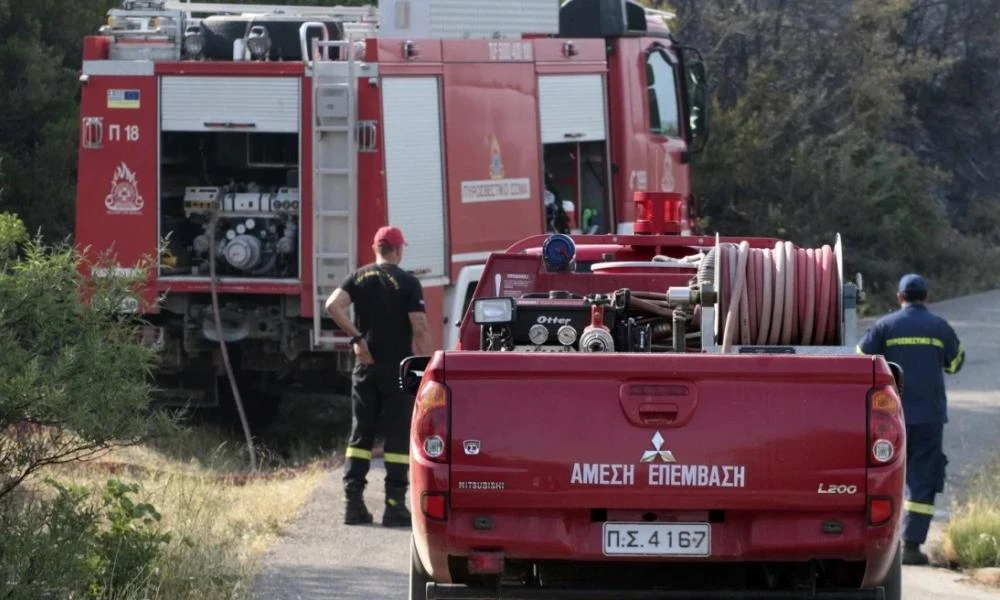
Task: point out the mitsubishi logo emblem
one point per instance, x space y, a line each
471 447
652 455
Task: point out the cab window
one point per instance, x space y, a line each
661 81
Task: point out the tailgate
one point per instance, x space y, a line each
601 431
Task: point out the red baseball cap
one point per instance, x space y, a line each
389 236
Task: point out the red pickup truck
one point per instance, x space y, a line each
637 417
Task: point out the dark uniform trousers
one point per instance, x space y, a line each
377 400
925 477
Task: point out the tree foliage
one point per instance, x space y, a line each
74 375
843 117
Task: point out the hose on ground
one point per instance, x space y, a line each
777 296
214 288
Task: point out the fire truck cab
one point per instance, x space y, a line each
253 151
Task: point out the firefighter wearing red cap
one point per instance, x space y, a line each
925 346
389 320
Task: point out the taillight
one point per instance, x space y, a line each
879 510
430 421
886 427
434 505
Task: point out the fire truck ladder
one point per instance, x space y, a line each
335 152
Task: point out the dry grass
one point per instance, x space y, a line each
972 537
220 526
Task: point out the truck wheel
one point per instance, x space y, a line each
893 585
418 577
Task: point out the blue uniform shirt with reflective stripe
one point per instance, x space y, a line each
926 347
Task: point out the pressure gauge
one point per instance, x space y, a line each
566 335
559 253
538 334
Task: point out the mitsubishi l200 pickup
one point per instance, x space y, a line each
657 416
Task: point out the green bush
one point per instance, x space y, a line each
74 375
76 545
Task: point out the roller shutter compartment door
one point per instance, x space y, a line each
414 170
572 108
251 104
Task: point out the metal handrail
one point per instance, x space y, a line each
307 56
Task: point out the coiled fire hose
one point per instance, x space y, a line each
214 286
782 295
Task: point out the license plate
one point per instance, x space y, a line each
657 539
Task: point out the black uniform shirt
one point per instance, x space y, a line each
383 296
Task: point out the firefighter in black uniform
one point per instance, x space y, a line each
389 319
924 345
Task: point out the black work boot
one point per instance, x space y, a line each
912 554
355 511
396 514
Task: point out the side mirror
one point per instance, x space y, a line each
695 97
897 374
411 371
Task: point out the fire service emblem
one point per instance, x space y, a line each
124 196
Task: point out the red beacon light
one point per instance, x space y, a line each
659 213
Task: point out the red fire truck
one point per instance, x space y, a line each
253 151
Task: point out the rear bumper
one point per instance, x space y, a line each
571 536
450 592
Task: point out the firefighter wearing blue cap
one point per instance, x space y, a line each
924 345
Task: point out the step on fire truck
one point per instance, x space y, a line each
255 150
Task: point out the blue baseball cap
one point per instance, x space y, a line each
911 282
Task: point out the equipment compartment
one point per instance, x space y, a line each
250 182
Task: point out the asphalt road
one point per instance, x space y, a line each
971 436
321 558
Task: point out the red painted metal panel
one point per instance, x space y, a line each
549 50
494 156
307 304
95 47
373 211
391 51
650 163
203 287
117 190
434 303
230 68
627 125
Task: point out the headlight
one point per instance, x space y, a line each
493 310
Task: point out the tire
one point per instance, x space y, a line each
893 585
418 577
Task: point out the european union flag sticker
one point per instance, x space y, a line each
123 98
